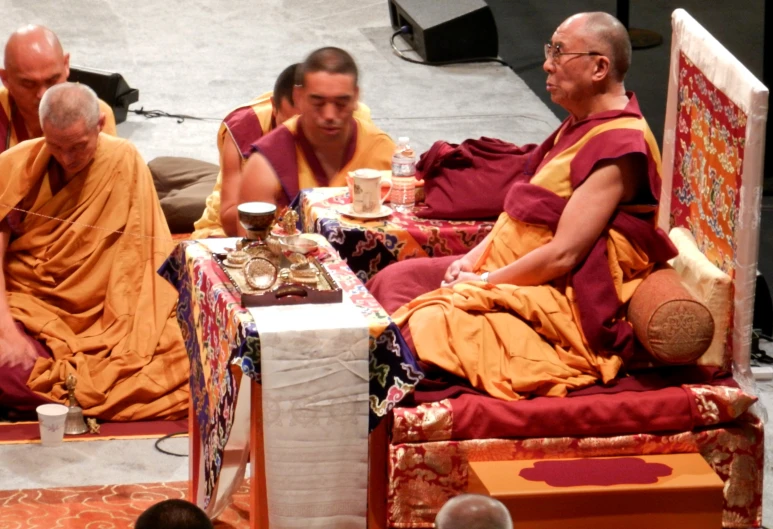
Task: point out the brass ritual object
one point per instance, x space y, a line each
273 269
74 424
289 222
256 218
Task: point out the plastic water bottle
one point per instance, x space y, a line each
403 195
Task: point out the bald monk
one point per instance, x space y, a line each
538 307
33 62
321 145
238 131
81 237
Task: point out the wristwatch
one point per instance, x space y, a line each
484 277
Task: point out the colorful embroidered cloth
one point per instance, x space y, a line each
370 245
221 337
713 149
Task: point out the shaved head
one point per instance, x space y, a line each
71 123
33 62
65 104
607 35
473 511
31 44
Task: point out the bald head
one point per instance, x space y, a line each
33 62
71 123
473 511
66 104
32 43
607 35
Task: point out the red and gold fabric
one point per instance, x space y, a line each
713 161
368 246
423 476
649 404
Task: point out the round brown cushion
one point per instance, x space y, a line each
668 321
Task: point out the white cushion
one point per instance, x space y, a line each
711 286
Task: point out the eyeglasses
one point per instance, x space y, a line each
554 52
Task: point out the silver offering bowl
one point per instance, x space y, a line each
256 218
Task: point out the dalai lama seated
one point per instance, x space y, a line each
533 309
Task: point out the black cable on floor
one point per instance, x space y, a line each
406 29
150 114
169 436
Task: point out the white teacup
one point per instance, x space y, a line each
51 418
366 191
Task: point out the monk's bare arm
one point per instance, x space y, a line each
587 213
231 172
15 349
466 262
259 183
5 312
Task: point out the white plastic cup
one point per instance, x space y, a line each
51 418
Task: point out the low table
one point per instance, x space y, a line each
676 491
370 245
224 348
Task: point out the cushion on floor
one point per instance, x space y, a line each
183 185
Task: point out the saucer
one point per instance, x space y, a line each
347 210
229 264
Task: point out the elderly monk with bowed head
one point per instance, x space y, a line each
537 307
33 62
239 130
81 237
321 145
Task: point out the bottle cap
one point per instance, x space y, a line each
403 139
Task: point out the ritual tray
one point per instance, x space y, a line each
283 292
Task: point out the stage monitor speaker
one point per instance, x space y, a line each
110 88
447 30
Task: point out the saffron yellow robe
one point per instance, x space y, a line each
245 125
514 341
10 122
296 166
81 277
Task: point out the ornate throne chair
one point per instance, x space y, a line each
712 165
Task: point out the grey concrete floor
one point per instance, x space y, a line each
204 57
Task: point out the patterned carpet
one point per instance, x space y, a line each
29 432
102 507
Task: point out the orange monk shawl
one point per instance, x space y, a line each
92 294
514 341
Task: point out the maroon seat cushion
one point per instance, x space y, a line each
661 400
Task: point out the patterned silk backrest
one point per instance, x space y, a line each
713 148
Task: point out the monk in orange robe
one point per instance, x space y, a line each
34 61
538 307
239 130
321 145
82 235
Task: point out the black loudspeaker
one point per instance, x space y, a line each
110 88
447 30
763 306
